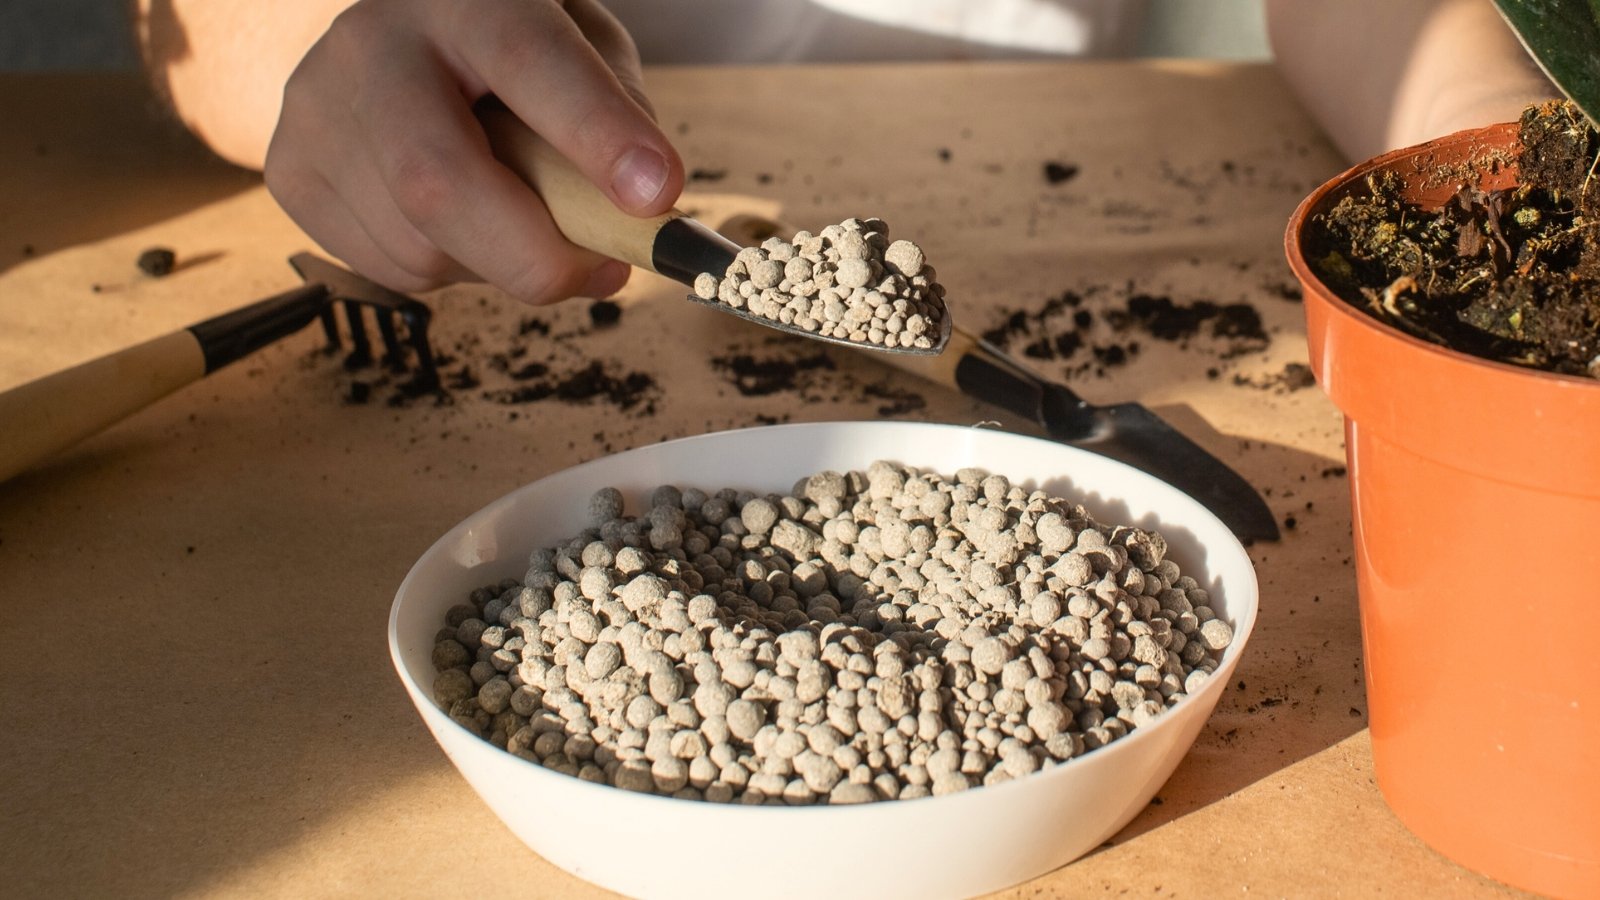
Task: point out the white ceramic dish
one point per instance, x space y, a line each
951 846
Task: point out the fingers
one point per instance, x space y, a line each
539 61
336 229
446 184
378 157
335 198
615 46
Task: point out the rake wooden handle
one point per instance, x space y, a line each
52 413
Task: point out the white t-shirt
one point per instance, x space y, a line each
767 31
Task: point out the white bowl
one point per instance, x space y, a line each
955 845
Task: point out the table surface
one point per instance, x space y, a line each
195 690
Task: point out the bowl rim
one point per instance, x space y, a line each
1247 593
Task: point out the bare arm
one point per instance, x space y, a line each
1381 74
223 64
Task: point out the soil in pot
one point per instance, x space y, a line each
1509 275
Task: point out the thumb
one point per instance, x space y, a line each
537 60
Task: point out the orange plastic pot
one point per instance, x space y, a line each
1475 492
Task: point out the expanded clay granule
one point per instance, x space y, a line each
872 635
848 282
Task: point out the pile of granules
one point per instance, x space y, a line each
848 283
875 635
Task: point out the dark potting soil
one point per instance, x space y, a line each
625 390
523 370
1510 275
800 369
895 400
761 377
1095 336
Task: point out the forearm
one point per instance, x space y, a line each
223 63
1381 74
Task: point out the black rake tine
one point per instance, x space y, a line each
394 357
416 316
353 291
361 349
330 327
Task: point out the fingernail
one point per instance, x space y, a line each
606 280
639 178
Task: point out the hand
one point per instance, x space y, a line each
378 157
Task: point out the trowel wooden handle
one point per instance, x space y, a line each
54 412
672 244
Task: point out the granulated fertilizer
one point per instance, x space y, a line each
875 635
848 283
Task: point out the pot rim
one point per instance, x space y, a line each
1503 134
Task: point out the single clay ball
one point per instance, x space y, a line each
853 273
604 505
766 274
905 257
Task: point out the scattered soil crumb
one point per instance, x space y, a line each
1293 377
624 390
604 313
1059 172
463 379
898 400
1067 324
761 377
157 262
1285 291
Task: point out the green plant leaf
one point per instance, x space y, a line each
1563 37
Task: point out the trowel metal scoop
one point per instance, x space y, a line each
673 244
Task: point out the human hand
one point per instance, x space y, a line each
378 156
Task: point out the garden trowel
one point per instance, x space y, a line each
1127 432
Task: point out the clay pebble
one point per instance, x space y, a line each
848 282
869 636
